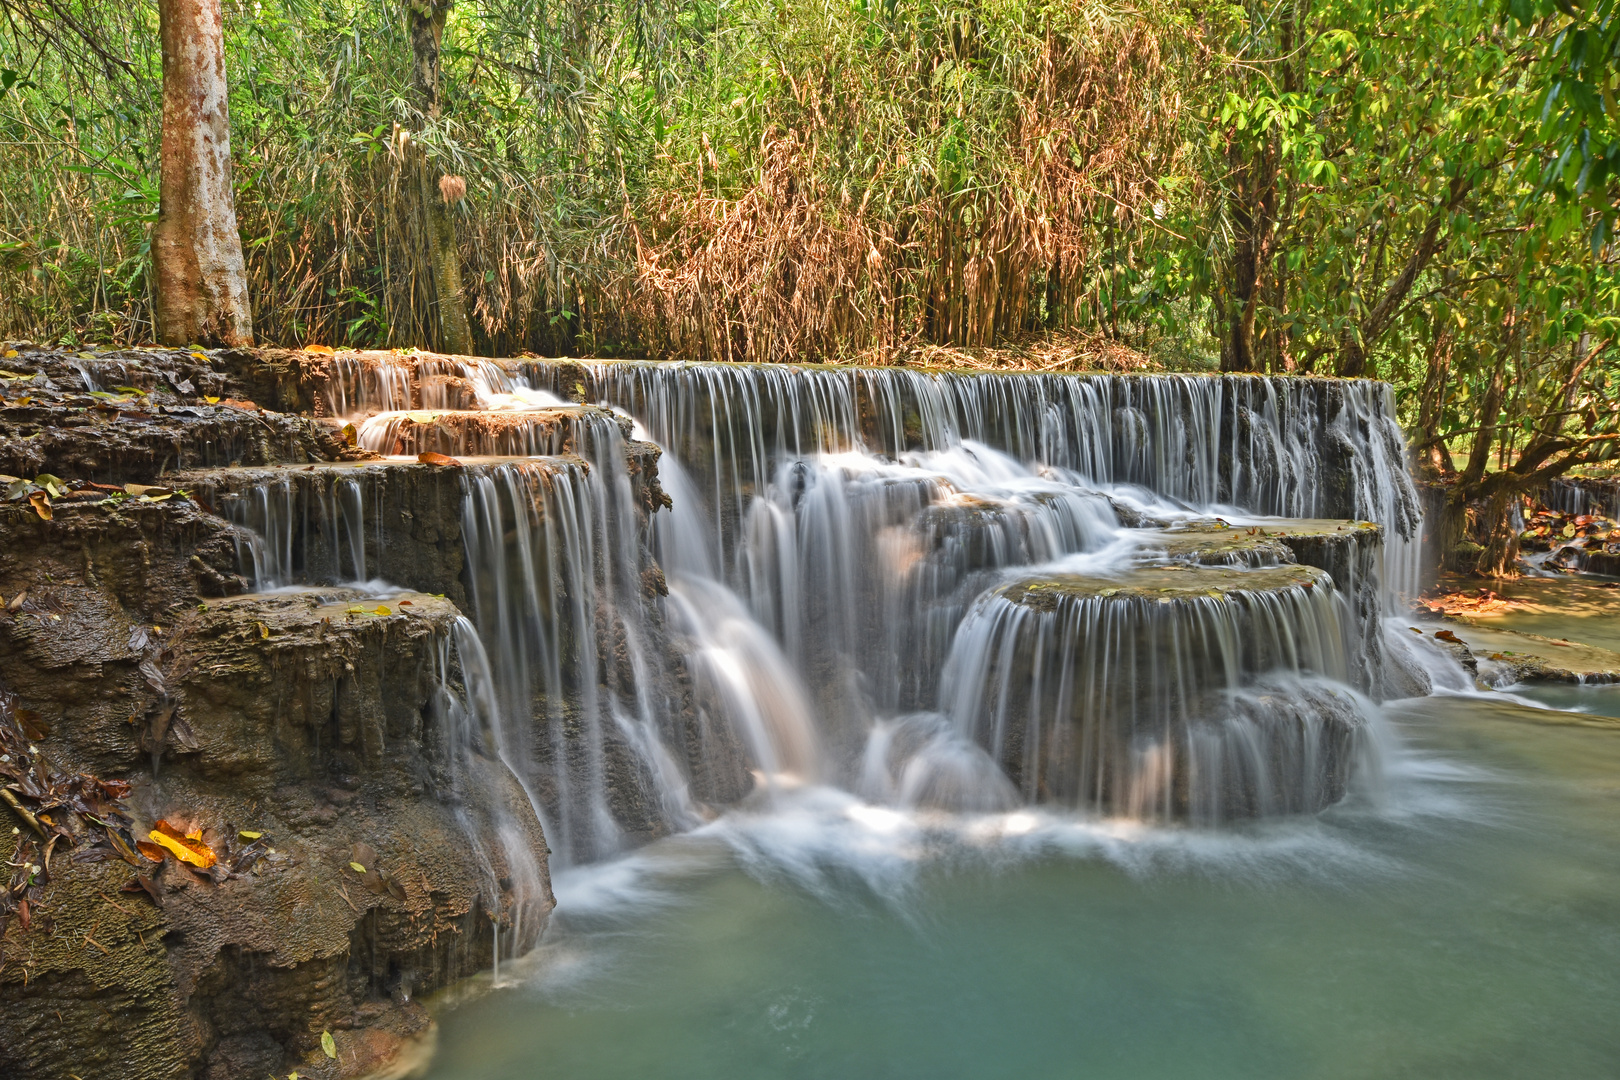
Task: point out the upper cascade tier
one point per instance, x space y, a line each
1284 446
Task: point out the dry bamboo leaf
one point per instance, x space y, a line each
431 458
41 503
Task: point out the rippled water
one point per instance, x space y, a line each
1464 923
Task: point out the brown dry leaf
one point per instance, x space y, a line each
237 403
114 789
33 725
41 503
142 883
430 458
147 489
187 847
122 848
1447 635
150 850
363 853
17 602
320 350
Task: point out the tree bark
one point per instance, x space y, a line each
1253 221
201 295
427 19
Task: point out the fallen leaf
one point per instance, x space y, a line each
238 403
187 847
327 1042
421 417
320 350
150 850
357 868
211 399
247 835
41 503
395 889
17 602
10 353
1447 635
364 854
404 603
430 458
382 609
147 489
351 436
142 883
32 724
264 631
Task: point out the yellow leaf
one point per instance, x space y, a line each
357 868
420 417
322 350
329 1045
41 503
10 353
184 847
382 609
264 631
246 835
350 436
211 399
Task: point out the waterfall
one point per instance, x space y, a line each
1209 699
939 591
1265 445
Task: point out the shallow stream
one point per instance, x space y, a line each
1463 921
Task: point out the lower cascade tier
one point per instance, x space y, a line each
1196 693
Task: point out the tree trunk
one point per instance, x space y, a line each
1249 224
438 221
201 288
1500 557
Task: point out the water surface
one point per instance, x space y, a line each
1465 923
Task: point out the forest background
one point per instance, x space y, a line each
1423 191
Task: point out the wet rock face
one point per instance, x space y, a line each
318 719
134 415
330 726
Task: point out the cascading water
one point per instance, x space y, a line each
939 591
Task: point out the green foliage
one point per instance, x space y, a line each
1423 190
